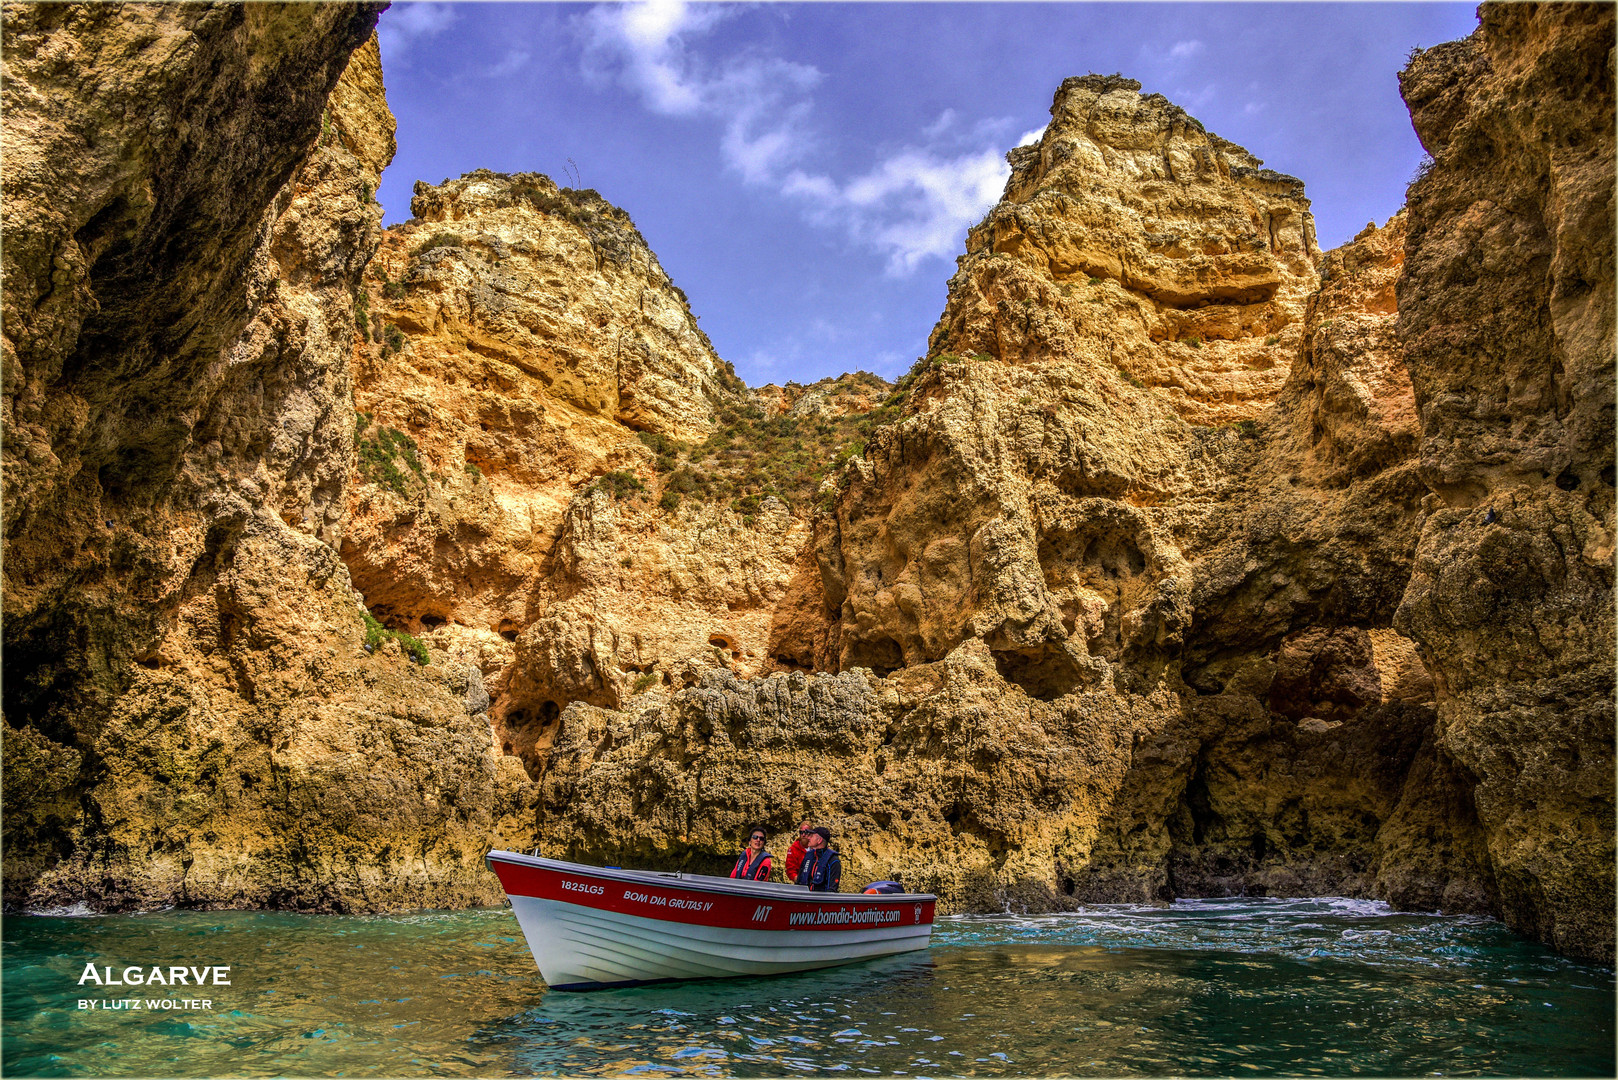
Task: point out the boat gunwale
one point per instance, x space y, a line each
674 879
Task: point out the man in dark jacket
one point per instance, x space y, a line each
822 868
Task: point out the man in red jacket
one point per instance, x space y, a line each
799 848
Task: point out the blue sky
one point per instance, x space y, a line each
807 172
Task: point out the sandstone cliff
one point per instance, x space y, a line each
1188 561
191 716
1132 239
1506 315
1091 647
1153 588
558 479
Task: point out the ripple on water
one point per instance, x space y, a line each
1323 986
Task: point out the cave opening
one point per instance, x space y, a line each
723 643
881 654
1045 674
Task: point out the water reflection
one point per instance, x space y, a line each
1012 997
1323 987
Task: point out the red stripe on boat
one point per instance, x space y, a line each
692 904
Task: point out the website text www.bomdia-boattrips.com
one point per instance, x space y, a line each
840 917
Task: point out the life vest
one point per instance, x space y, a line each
757 870
822 870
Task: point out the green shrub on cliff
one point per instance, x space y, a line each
381 451
620 484
437 240
391 290
609 229
362 313
376 635
393 340
752 456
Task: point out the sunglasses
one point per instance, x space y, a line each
805 832
756 836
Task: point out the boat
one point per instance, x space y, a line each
591 927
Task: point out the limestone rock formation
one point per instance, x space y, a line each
1506 312
1130 238
1116 654
1139 277
526 376
191 716
942 775
1189 561
520 354
1251 725
1135 278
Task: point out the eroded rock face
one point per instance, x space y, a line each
1140 280
535 355
522 337
911 772
190 715
1192 561
1506 314
1112 654
1129 238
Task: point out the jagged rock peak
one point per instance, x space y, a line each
559 283
1132 239
483 191
1080 96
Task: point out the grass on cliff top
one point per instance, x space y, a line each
752 456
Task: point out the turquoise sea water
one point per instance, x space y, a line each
1216 987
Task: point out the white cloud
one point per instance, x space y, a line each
645 43
819 189
913 205
1184 50
514 61
945 120
402 25
758 99
1031 137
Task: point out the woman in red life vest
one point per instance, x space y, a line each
799 848
754 862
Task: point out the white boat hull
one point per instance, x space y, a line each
591 927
